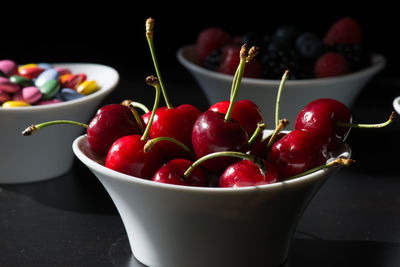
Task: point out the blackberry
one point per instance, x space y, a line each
213 60
358 56
279 58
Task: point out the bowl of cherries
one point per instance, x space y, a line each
334 64
193 186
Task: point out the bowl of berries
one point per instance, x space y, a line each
337 65
34 93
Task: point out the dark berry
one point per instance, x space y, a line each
213 60
309 45
358 57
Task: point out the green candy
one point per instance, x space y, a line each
21 81
49 89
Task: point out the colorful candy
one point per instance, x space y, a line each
40 84
13 104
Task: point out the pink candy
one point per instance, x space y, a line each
8 67
8 87
30 94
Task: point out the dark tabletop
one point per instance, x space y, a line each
354 220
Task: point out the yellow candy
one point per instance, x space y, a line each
30 65
87 87
13 104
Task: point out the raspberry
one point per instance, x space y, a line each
209 40
230 60
330 64
345 30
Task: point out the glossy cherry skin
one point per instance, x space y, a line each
246 173
211 133
297 152
110 123
246 112
172 173
127 156
176 123
321 116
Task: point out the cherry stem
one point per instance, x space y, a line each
138 119
136 105
281 125
260 127
333 163
153 81
278 98
34 128
246 55
153 141
371 126
236 154
149 37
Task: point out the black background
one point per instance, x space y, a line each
113 33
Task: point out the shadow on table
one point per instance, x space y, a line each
304 253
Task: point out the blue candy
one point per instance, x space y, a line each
68 94
45 66
48 74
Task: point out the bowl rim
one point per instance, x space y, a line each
92 164
396 104
378 63
70 104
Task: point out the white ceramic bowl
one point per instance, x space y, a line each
47 153
179 226
396 104
296 93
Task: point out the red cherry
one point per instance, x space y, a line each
246 173
321 117
297 152
212 133
110 123
173 171
215 132
127 156
246 112
176 123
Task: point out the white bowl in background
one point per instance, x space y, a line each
296 93
47 153
396 104
179 226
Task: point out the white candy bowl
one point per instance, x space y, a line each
47 153
179 226
296 94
